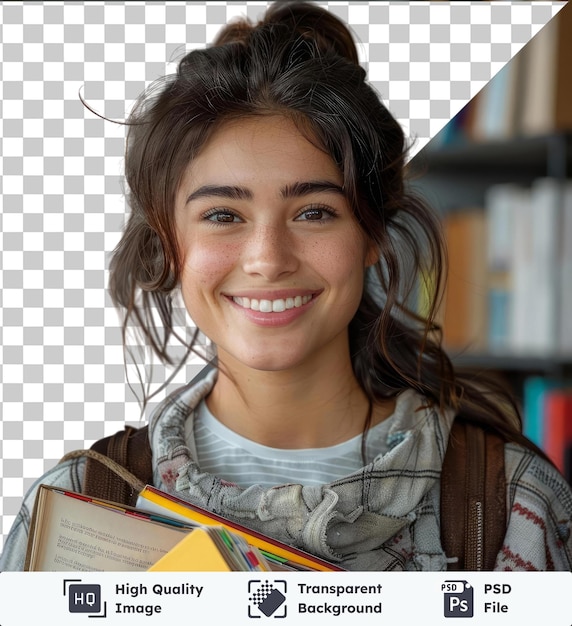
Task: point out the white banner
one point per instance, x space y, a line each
293 598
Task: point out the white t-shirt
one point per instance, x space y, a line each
224 453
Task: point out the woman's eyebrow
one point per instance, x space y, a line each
314 186
221 191
293 190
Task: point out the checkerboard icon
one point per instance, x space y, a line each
267 598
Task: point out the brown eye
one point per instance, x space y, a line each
314 214
222 217
317 214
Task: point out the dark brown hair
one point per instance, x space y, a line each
300 61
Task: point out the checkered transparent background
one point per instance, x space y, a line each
63 383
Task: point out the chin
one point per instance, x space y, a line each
268 362
271 365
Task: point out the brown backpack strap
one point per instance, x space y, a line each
118 466
473 497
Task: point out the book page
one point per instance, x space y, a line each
80 536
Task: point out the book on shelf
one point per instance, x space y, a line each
565 271
542 292
529 259
497 107
465 302
547 419
557 439
547 90
74 532
502 203
520 316
534 392
539 286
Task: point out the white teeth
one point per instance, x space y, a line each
272 306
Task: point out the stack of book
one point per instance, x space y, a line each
74 532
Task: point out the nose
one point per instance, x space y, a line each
270 251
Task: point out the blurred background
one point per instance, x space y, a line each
500 176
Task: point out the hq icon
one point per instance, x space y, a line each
84 598
458 598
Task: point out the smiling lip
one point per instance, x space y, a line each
276 308
277 305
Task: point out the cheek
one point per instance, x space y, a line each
206 264
344 260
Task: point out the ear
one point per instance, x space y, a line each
373 253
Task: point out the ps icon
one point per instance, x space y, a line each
458 598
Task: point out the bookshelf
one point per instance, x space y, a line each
456 179
500 176
457 174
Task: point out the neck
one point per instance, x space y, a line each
304 407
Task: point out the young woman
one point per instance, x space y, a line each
267 184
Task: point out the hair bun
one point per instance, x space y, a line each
317 23
237 30
311 21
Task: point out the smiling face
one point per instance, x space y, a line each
273 259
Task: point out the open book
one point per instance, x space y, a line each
72 532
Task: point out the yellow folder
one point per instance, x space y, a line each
197 552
